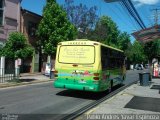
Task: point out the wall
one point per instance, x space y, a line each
11 19
29 24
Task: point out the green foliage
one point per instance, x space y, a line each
106 31
1 46
54 27
17 47
138 53
152 49
135 53
156 47
123 42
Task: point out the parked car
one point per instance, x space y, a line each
139 67
146 66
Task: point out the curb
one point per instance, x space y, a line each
30 74
77 114
6 85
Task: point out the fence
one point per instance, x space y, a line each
8 75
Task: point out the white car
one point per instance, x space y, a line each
139 67
146 66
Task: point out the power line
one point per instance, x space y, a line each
126 13
116 13
136 13
131 11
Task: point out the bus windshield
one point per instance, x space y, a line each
76 54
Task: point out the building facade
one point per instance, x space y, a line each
9 18
14 18
9 22
28 25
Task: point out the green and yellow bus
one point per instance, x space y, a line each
88 65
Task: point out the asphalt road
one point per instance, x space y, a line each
45 99
133 75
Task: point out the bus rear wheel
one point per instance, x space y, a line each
111 86
123 79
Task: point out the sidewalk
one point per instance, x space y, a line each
27 79
134 100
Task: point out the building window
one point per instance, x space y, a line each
32 29
1 12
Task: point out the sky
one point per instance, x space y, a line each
115 10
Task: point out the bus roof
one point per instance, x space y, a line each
111 47
86 42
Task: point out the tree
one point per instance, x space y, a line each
152 49
81 16
17 47
54 27
1 46
136 53
156 48
106 31
123 42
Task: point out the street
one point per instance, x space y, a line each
85 45
133 75
45 99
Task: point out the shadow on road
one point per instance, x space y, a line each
26 80
86 94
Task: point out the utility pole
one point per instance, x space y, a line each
156 15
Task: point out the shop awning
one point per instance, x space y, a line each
148 34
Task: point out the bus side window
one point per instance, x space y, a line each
104 58
104 61
120 60
111 59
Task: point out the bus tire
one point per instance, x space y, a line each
122 80
124 77
111 86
